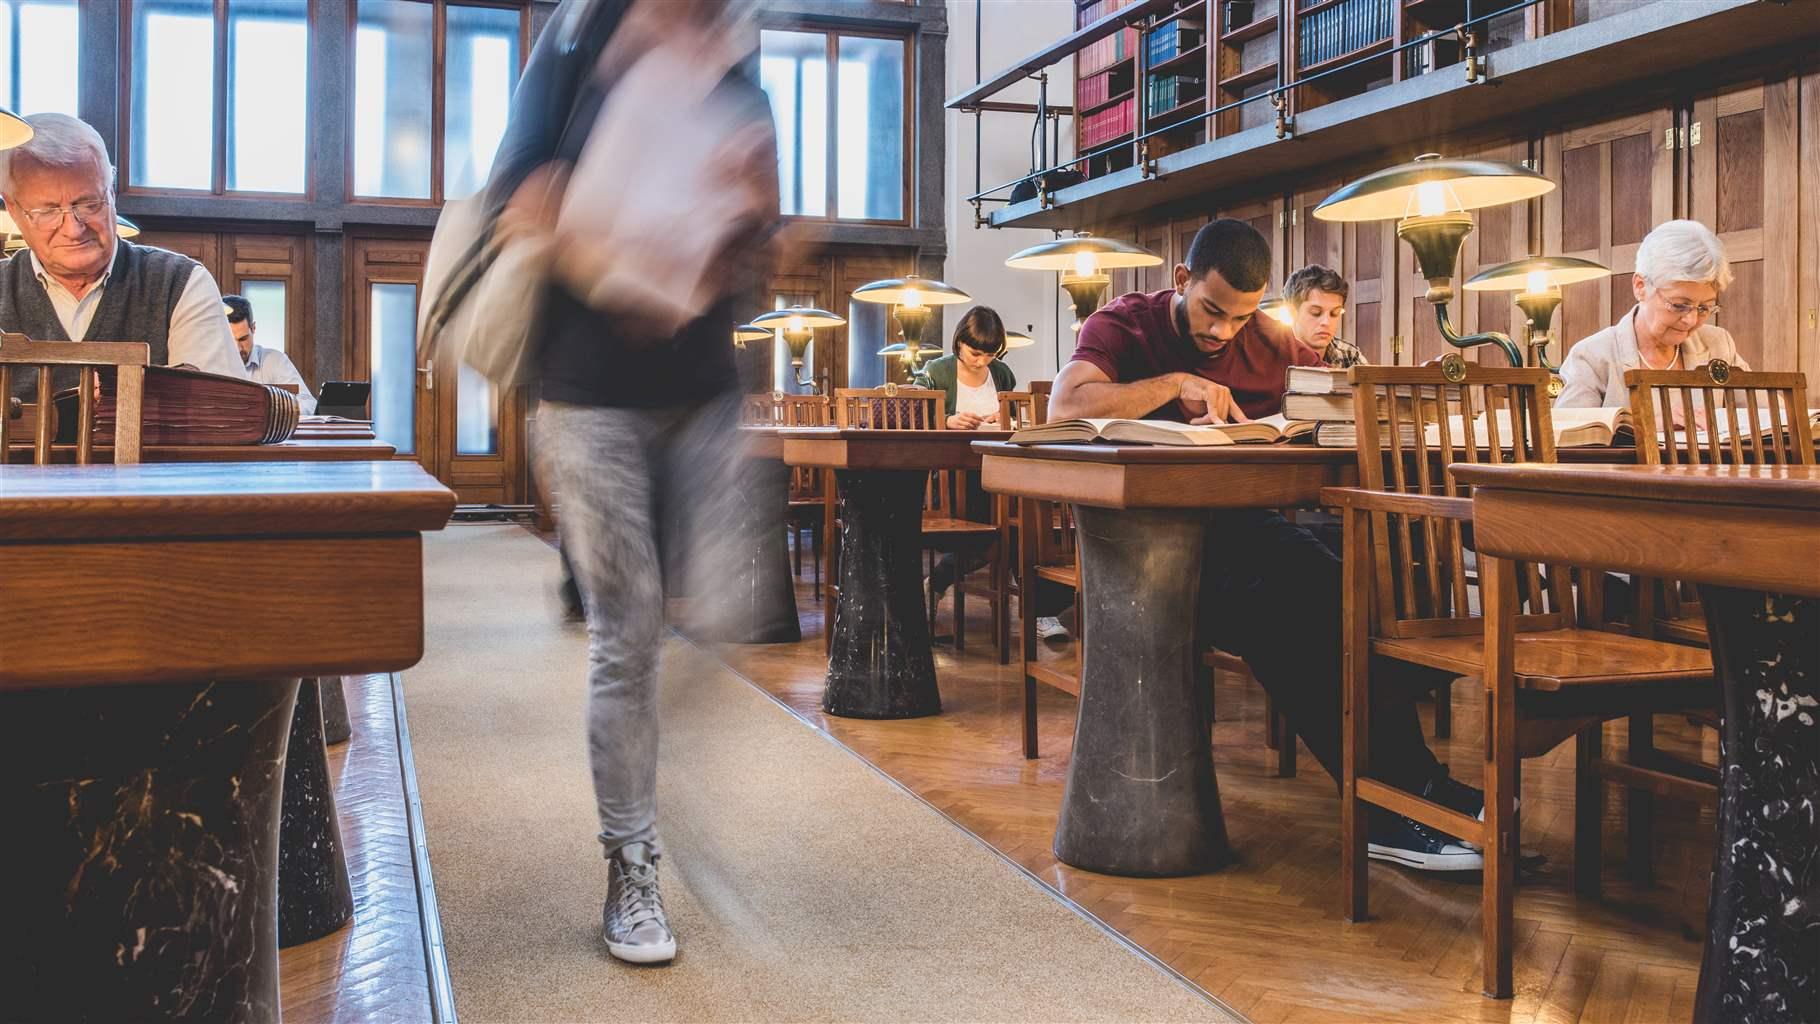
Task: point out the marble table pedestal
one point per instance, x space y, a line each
141 864
880 664
1141 797
336 726
1762 961
762 609
314 898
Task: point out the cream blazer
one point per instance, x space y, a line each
1593 372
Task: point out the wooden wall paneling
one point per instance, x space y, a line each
1368 252
1269 217
1743 175
1157 237
1183 231
1500 234
1312 240
1807 216
1602 208
202 246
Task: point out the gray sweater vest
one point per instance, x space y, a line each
136 305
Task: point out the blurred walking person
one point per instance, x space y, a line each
648 164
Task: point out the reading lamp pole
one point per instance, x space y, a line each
796 326
1429 198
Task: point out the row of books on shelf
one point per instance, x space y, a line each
1170 40
1343 28
1108 124
1110 50
1094 90
1167 92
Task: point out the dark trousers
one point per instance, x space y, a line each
1271 594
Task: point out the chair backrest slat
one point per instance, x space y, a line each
1016 409
889 408
1768 406
126 361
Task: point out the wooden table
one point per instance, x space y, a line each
1141 797
880 664
1750 537
296 449
144 708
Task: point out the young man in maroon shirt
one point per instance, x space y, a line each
1270 591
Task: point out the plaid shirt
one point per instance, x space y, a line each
1342 354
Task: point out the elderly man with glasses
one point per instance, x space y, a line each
1681 270
80 280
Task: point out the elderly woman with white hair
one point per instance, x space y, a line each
1681 271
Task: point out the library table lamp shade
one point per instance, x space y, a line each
1278 310
1537 280
1018 339
748 332
125 228
1430 199
14 130
913 352
1083 260
912 296
796 326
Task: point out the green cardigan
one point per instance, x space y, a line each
940 374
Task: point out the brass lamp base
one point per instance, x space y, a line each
911 320
1436 240
1085 290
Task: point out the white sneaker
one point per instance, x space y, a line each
1049 627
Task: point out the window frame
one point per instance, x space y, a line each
312 17
832 35
439 41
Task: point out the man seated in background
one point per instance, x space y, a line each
1316 297
265 365
1270 591
80 280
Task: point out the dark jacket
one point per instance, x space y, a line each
941 375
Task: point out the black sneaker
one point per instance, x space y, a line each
1412 844
1455 795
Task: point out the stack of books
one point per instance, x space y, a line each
1167 92
1342 28
1108 124
1323 397
1170 40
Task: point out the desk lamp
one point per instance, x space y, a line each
1429 198
795 326
748 332
1018 339
912 296
1537 280
1083 260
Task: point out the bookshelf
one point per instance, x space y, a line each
1105 90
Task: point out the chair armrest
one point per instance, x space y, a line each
1436 505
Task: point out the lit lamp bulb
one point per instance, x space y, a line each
795 327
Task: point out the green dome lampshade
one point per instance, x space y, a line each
747 333
798 324
912 296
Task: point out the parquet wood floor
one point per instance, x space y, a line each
374 969
1265 935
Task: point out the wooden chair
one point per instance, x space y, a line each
1040 390
126 360
1546 679
1667 609
1046 551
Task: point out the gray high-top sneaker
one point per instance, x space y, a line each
633 921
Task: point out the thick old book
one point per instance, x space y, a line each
190 407
1268 430
1318 405
1316 380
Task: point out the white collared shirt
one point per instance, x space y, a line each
198 333
270 366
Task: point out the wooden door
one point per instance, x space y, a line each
272 271
1615 182
1156 235
1744 172
1267 215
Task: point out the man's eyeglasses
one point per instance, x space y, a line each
1682 309
49 218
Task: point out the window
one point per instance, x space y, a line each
841 146
175 141
39 56
271 315
406 144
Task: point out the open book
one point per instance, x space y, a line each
1573 428
1262 431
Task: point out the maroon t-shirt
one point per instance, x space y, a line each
1134 338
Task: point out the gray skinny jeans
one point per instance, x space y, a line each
643 496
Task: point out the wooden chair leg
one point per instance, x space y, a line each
1356 723
1640 810
1271 721
1589 803
795 533
1498 584
1030 719
1444 711
960 603
1026 613
1285 747
815 558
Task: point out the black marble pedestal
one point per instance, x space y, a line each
336 726
313 894
763 605
1762 960
138 874
1141 798
880 665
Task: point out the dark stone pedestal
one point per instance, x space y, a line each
1762 960
336 727
880 665
764 607
313 894
1141 798
139 874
